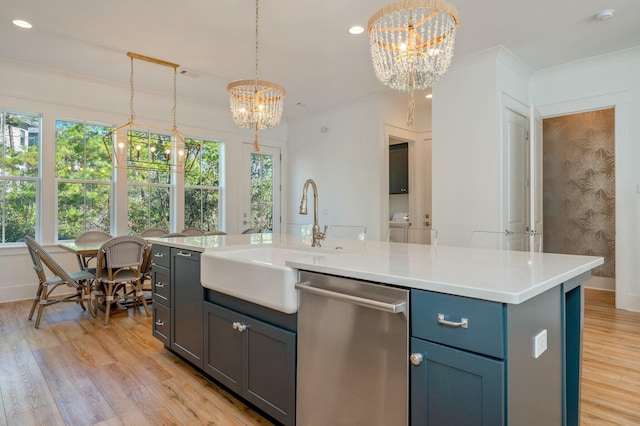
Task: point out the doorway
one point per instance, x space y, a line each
579 205
260 189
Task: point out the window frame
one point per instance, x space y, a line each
111 183
37 180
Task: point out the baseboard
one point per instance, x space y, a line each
601 283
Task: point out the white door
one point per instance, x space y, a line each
516 213
260 189
535 193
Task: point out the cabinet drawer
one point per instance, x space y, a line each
160 279
161 323
162 255
484 333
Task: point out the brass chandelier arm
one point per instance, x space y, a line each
152 60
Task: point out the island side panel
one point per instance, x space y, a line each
534 385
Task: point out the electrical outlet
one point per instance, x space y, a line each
539 343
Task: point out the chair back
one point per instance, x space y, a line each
39 257
121 254
507 240
153 232
174 234
250 231
215 233
94 236
352 232
299 229
192 231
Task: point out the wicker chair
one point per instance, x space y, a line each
90 237
120 263
192 231
153 232
81 281
250 231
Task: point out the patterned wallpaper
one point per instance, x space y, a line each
579 186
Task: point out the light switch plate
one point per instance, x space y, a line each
540 343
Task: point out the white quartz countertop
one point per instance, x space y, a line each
500 276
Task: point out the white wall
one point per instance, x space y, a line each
349 162
59 95
610 80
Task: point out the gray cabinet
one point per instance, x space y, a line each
187 295
161 293
399 168
177 301
253 358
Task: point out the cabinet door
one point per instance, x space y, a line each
454 387
223 346
270 370
399 169
256 360
187 296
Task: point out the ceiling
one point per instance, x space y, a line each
303 45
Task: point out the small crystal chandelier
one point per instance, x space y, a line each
412 44
135 146
256 104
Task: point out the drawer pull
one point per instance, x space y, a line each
159 255
159 323
183 254
464 323
160 285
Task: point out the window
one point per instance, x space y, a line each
202 189
83 172
19 174
149 194
262 201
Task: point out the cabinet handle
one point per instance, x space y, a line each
239 326
464 322
160 255
160 285
183 254
159 323
416 358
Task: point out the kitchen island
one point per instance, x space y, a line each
522 342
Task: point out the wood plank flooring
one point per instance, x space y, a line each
76 371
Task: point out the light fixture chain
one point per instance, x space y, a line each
256 45
131 113
173 110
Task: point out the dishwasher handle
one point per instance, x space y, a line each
393 308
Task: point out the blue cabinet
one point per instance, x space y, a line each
474 361
455 387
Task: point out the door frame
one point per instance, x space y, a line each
619 101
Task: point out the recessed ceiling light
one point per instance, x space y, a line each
356 29
605 14
22 24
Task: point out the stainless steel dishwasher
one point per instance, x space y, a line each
352 353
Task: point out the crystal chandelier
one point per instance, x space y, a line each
256 104
140 147
412 43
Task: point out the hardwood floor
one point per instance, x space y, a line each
611 363
76 371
